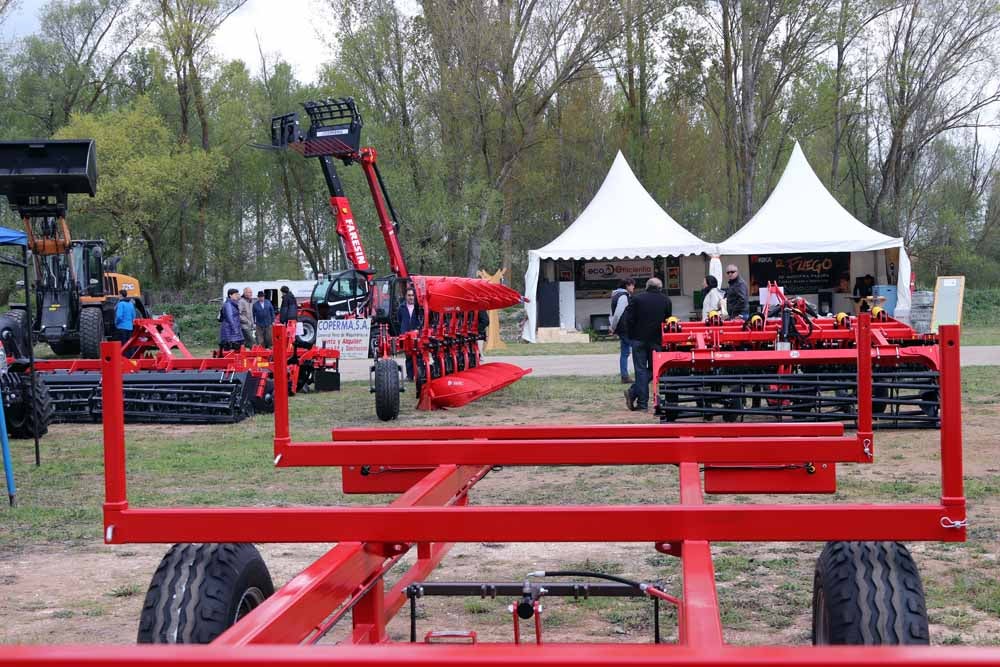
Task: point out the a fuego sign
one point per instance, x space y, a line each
639 269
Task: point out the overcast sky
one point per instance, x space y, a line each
287 30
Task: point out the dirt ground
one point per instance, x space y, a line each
92 593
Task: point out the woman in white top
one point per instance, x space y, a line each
712 297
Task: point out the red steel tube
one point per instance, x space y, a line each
527 523
699 621
499 655
864 434
952 487
445 655
554 432
576 451
282 434
113 418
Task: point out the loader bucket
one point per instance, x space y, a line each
49 168
457 389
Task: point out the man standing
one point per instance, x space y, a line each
619 302
737 297
246 316
124 318
230 334
289 309
645 316
410 319
263 319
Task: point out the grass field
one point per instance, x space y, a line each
62 584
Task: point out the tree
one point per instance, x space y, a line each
937 77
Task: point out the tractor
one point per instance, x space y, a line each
76 288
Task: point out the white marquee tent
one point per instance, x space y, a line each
801 216
622 221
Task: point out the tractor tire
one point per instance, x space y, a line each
308 337
14 323
200 590
22 420
868 593
91 332
386 389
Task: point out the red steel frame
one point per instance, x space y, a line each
441 465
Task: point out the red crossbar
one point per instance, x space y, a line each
501 655
528 523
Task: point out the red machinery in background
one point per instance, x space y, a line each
214 587
443 353
762 368
165 383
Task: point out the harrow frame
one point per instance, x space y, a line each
436 468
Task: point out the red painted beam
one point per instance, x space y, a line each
555 431
626 523
700 622
498 655
576 451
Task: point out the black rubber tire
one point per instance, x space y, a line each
91 332
386 389
22 421
308 337
201 590
15 321
868 593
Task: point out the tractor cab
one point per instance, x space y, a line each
342 295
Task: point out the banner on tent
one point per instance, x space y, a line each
639 269
803 273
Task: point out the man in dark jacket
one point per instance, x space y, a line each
289 309
645 315
230 333
737 297
619 302
263 319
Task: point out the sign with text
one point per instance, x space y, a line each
801 273
639 269
348 336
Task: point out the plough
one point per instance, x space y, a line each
795 366
443 352
213 586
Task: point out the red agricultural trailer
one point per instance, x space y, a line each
213 587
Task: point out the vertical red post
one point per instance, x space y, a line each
369 615
279 359
865 378
113 417
952 487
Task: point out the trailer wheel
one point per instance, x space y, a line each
21 419
200 590
91 332
868 593
14 331
386 389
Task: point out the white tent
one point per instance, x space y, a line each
801 216
622 221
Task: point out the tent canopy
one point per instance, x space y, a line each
622 221
12 237
802 216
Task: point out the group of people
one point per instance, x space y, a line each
244 321
637 319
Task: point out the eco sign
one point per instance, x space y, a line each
640 269
348 336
